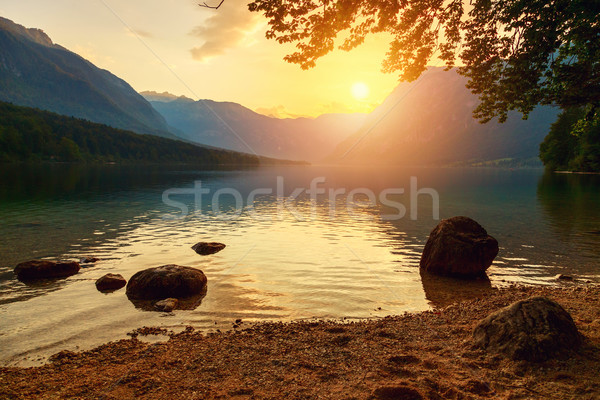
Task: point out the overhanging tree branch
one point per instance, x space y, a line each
516 53
213 7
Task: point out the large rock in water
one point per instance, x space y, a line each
45 269
460 247
535 329
165 282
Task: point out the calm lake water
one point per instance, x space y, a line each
286 258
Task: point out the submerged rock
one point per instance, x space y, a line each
442 291
89 260
207 248
460 247
535 329
166 305
563 277
110 282
45 269
166 281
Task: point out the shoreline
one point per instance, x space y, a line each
423 355
577 172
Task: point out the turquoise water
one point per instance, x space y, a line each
286 258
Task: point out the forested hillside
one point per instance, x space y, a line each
28 134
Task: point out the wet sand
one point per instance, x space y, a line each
426 355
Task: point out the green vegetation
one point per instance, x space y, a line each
573 143
28 134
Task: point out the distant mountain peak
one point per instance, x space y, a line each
33 34
151 95
231 125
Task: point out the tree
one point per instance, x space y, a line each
573 142
516 54
559 147
69 150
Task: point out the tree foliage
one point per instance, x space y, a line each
573 143
515 53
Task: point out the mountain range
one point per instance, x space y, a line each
429 121
425 122
233 126
35 72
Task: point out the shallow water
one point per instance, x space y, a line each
285 259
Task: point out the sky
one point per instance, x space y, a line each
178 47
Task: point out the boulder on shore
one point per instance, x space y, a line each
45 269
207 248
166 281
110 282
535 329
459 247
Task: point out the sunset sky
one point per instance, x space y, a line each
220 55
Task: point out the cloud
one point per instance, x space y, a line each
225 29
278 112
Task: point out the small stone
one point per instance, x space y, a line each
166 305
110 282
61 356
207 248
89 260
564 277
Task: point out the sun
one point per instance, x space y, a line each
360 91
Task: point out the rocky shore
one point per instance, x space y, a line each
427 355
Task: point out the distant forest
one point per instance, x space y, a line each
28 134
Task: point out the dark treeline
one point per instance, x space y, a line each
573 143
28 134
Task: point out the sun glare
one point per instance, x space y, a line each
360 91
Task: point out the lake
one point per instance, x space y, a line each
349 248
